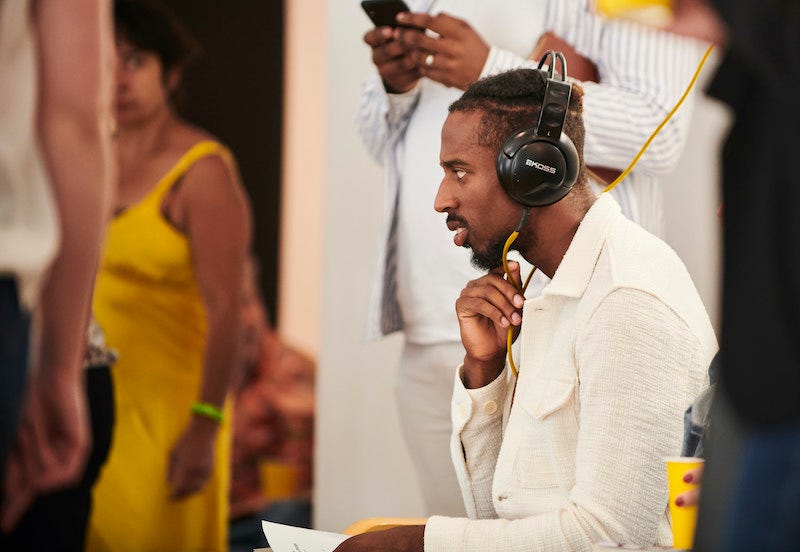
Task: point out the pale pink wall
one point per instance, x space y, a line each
305 90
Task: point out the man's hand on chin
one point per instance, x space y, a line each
408 538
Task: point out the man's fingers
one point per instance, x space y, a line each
388 51
397 67
468 306
411 38
442 23
495 279
440 74
497 298
378 36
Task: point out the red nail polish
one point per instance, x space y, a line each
679 501
688 478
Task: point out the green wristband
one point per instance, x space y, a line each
207 410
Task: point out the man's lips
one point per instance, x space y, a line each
460 239
459 226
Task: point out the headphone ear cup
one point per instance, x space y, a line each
535 170
573 162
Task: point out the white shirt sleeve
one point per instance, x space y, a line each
643 73
382 117
477 436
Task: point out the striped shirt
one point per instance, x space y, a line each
642 74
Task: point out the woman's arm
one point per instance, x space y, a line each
218 224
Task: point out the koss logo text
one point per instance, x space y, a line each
540 166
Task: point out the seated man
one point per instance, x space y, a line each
571 451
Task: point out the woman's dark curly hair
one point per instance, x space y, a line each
148 26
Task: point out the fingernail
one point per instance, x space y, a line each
402 16
679 501
386 32
504 321
519 300
516 318
688 478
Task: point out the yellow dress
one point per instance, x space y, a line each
147 301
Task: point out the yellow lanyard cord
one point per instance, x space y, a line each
521 289
623 174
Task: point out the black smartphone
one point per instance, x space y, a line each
383 13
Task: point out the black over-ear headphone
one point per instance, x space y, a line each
538 166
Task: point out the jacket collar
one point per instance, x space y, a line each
576 268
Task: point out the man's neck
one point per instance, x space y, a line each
552 229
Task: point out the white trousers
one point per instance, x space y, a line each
423 392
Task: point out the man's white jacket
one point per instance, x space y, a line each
611 354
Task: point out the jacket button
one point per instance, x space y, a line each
490 407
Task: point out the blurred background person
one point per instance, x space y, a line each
641 74
167 295
751 480
56 182
273 440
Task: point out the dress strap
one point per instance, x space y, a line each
195 153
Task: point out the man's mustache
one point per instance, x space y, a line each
455 218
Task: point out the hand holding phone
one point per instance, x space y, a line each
383 13
394 60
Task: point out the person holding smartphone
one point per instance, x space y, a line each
641 72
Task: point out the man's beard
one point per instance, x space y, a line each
491 257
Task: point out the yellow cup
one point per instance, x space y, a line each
652 12
684 518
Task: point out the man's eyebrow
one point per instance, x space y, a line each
450 163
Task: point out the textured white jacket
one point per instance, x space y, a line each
612 353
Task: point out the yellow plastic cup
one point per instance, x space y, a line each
652 12
684 518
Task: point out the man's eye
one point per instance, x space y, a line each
460 173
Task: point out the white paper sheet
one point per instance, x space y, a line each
285 538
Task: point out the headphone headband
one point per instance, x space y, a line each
555 103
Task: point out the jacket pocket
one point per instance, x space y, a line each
547 435
553 396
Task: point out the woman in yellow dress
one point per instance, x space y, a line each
167 294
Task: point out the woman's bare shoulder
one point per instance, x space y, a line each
183 136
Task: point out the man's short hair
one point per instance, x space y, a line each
511 101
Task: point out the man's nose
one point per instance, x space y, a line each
444 200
